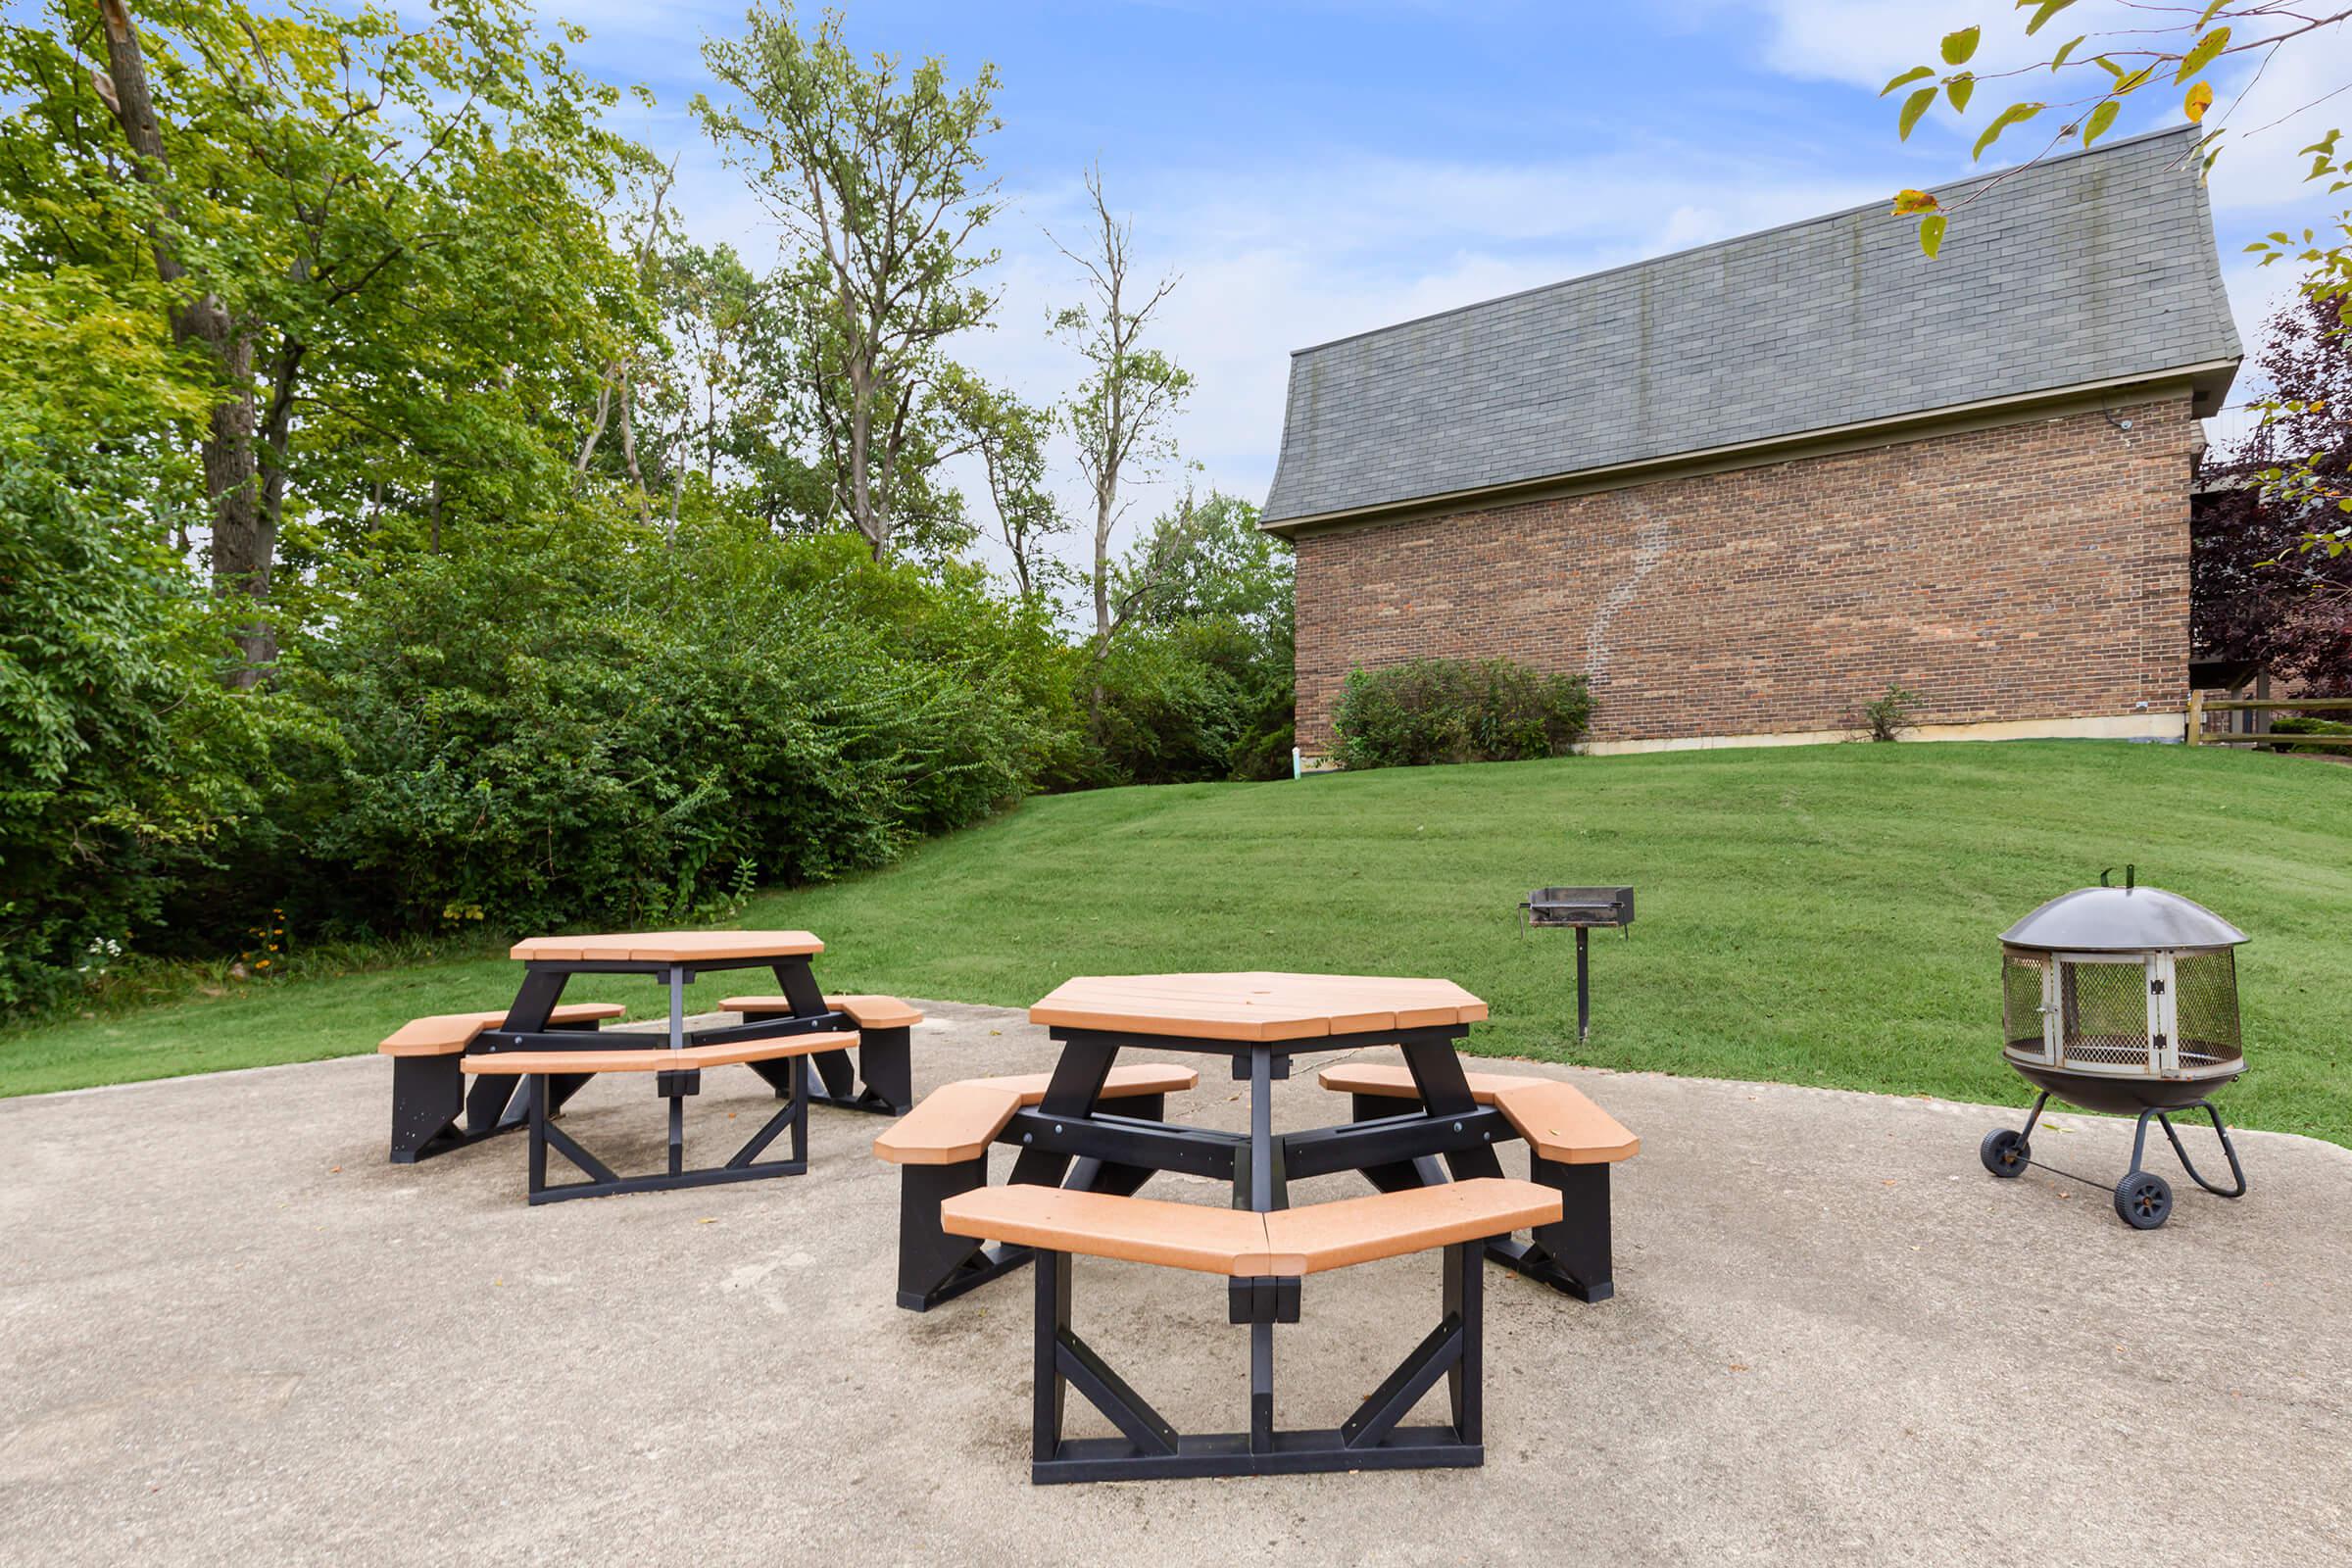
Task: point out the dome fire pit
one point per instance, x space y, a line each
2122 1000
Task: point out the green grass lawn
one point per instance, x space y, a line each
1822 916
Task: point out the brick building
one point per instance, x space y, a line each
1745 487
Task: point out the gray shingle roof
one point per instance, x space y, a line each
2085 268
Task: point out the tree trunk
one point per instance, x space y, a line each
628 444
862 447
244 539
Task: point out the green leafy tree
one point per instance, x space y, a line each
2253 596
338 209
1008 435
770 435
877 174
1199 683
122 760
2163 51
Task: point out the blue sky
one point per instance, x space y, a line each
1314 170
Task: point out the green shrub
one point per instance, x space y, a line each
1196 700
632 736
1888 717
1459 710
122 758
2304 724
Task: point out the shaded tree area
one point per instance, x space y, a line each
406 521
2257 595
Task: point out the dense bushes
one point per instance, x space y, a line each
1457 710
629 736
590 725
1199 685
121 760
2304 724
1197 701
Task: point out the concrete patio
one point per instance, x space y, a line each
235 1334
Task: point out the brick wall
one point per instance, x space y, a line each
2037 569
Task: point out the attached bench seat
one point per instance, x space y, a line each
1557 1119
1571 1145
866 1013
885 1050
942 1145
448 1034
679 1074
1263 1256
656 1059
428 1092
957 1121
1240 1243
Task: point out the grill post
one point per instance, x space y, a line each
1584 984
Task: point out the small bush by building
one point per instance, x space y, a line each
1459 710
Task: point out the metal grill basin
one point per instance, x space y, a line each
1580 907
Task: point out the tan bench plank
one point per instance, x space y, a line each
1290 1242
1136 1230
447 1034
1396 1082
1141 1078
668 947
955 1123
1559 1123
660 1058
1378 1225
1557 1119
869 1013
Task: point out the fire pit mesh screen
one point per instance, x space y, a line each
2207 1008
2105 1010
2022 977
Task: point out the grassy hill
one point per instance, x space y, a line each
1822 916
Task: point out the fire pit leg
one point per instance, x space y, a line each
2237 1172
2007 1154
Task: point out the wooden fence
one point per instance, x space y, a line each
2200 706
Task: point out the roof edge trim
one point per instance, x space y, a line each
2208 381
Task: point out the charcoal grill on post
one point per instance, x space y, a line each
1580 909
2122 1000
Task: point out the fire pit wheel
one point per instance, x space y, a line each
2143 1200
2005 1151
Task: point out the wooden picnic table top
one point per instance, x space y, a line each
668 947
1259 1006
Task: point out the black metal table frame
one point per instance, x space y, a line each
535 1101
1066 1141
506 1102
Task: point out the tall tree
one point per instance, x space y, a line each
314 189
876 171
242 536
1121 414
